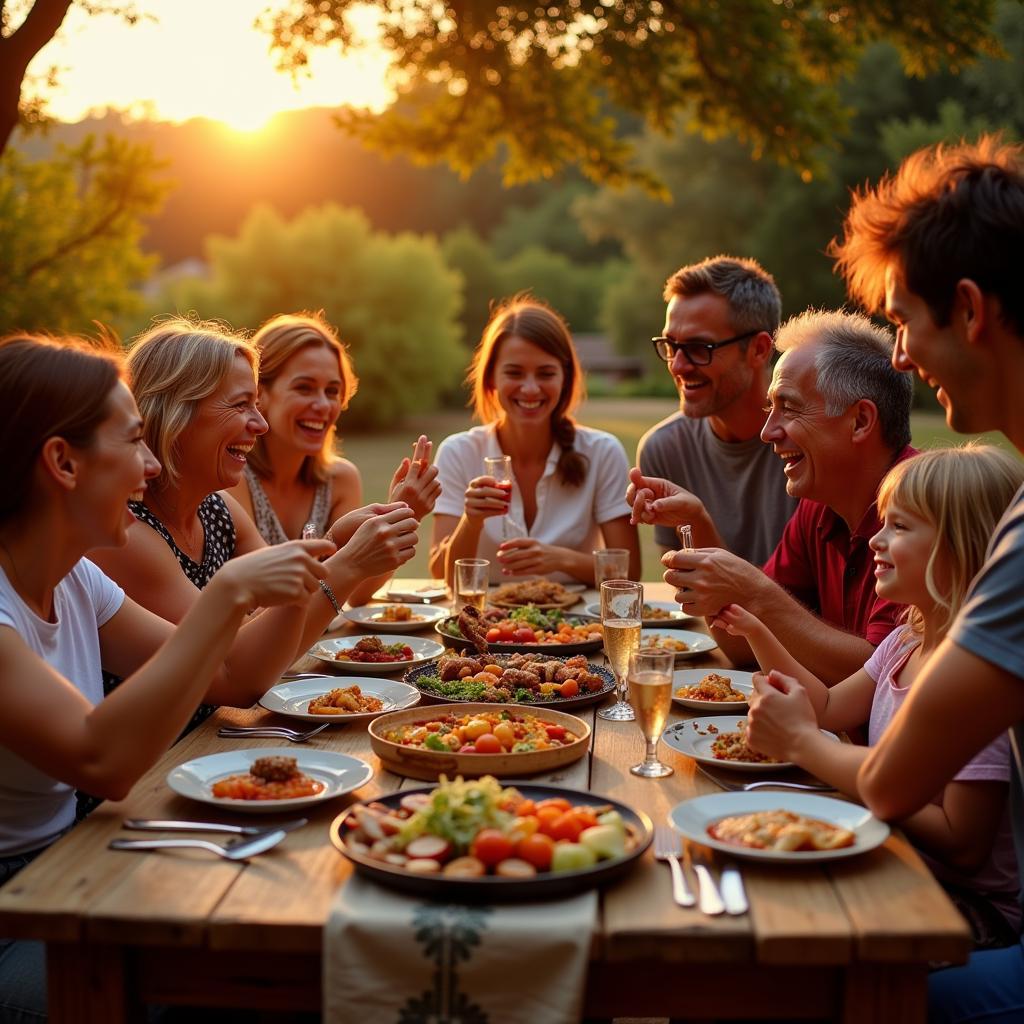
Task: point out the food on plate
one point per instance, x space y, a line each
373 649
269 778
530 625
487 732
732 746
468 829
522 678
397 613
472 627
781 831
712 687
650 612
663 642
346 700
532 592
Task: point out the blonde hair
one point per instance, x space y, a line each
963 492
172 367
278 340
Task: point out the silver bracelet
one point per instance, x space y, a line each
329 594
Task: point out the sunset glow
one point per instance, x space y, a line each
197 59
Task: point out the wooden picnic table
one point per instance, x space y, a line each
848 940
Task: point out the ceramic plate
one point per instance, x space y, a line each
423 650
692 818
419 763
429 593
292 699
741 681
339 773
445 625
696 643
491 887
695 736
675 616
369 617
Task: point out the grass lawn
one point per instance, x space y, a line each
378 454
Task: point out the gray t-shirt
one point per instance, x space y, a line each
741 483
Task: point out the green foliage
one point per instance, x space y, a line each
538 79
70 229
392 299
466 252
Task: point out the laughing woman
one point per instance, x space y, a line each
569 480
293 477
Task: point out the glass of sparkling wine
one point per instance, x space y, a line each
500 467
610 564
650 693
621 611
471 576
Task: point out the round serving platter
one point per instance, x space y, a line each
461 643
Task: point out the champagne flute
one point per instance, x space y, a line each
610 564
650 694
471 582
621 611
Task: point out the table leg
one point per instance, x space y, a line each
88 984
885 994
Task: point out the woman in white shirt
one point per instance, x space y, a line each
568 493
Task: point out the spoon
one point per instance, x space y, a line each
235 850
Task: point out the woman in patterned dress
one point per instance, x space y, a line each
293 477
196 386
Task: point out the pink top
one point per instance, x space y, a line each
997 879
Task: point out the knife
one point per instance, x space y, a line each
160 825
733 894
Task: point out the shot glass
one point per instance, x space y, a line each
610 564
471 575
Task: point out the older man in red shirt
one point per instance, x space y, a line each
839 418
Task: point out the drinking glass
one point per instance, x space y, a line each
650 694
500 467
471 576
621 611
610 564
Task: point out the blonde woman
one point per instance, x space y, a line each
293 478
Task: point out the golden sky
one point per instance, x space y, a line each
199 58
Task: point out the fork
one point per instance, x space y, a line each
666 847
747 787
237 849
272 731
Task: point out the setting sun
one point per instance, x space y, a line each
196 59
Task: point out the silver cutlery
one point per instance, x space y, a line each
747 787
270 731
709 901
734 896
666 847
164 825
237 849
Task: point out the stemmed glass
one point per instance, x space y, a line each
500 467
650 693
622 605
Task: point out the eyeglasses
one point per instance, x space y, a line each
697 352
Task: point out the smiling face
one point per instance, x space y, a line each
902 549
816 449
223 430
527 380
304 400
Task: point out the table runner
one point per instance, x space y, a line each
398 958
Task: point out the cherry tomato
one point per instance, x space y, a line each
525 807
557 732
508 634
547 816
491 845
537 850
525 635
558 802
569 689
488 743
493 635
566 826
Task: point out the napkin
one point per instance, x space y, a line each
391 957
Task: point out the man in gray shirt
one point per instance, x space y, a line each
722 315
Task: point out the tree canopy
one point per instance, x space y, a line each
541 79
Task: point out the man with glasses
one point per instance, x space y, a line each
722 315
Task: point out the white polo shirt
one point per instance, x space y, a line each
566 516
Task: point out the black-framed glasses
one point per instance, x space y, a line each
697 352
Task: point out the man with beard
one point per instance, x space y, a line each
722 315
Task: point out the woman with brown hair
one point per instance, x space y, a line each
293 478
569 483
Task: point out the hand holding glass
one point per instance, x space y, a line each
622 605
610 564
650 694
471 576
500 468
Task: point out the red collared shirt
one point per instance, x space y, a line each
831 570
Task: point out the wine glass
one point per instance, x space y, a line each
500 467
650 694
610 564
622 605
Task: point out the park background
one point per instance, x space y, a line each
403 227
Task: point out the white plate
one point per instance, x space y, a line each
693 739
423 650
339 773
368 616
697 643
692 818
397 592
678 616
740 680
292 699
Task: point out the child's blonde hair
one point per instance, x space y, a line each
963 492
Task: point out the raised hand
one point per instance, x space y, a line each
345 526
382 543
415 481
738 621
659 502
278 574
